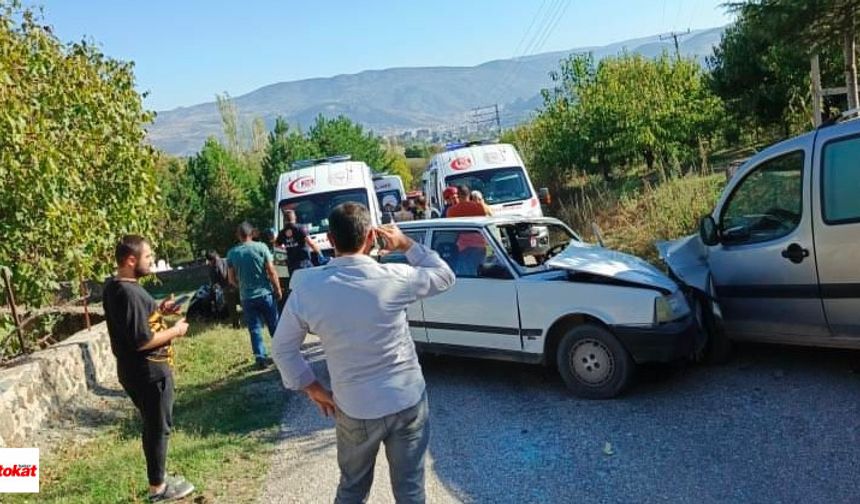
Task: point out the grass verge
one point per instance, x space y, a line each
632 220
226 419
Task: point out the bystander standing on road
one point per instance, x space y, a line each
451 198
251 269
357 307
479 198
421 211
296 242
465 207
405 212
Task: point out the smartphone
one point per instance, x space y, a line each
181 300
380 242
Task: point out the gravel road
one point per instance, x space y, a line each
775 425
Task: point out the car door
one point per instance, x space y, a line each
837 226
414 312
480 310
763 269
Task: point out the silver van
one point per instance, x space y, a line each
778 260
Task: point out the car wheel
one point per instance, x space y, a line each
718 347
593 363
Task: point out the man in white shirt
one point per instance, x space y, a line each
357 307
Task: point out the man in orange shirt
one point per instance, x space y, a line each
466 207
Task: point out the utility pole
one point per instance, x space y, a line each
818 93
674 36
486 116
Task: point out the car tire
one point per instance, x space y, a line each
718 346
593 363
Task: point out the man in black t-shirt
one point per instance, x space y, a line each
142 344
296 242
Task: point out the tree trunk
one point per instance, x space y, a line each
850 56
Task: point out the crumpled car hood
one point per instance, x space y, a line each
687 259
590 259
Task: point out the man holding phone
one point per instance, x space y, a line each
142 344
357 307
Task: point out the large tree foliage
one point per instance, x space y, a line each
226 183
623 112
327 137
286 145
75 173
223 191
761 67
341 135
816 26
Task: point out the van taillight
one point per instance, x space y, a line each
535 202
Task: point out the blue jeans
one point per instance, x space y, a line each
255 312
405 435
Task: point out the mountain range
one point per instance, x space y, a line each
397 99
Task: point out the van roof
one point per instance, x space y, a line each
324 177
477 157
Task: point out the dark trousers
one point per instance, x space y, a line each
154 401
231 301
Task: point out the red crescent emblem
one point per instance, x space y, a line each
461 163
301 185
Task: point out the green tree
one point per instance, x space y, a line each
417 150
396 164
178 198
75 172
813 26
222 193
341 135
618 114
761 69
286 145
327 137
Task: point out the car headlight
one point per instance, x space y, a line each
670 307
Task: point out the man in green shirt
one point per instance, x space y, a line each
250 268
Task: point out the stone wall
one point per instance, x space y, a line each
42 384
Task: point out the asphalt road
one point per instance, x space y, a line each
776 424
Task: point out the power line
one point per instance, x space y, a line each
552 17
500 86
487 115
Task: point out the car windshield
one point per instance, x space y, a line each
499 185
532 244
313 210
391 198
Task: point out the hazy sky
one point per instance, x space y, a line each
186 51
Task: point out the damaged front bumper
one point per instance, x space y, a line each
669 342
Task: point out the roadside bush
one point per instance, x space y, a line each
633 221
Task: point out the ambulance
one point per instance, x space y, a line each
389 190
496 170
314 187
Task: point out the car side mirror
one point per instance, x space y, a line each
494 270
544 196
708 231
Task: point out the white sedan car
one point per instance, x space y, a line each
529 290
